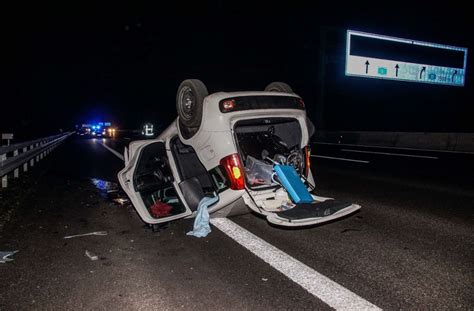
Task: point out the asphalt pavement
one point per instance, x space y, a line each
410 247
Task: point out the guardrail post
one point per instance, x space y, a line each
37 157
16 172
25 165
3 157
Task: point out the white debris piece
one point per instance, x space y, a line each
92 256
5 254
85 234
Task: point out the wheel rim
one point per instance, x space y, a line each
187 102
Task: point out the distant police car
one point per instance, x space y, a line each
101 129
98 131
224 144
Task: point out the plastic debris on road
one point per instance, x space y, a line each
110 190
120 201
104 185
5 254
86 234
201 222
92 256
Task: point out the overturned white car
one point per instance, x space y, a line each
226 144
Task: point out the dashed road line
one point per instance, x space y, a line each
391 154
396 148
340 159
113 151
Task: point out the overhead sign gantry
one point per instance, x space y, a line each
383 57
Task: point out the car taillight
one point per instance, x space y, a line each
307 155
235 171
300 103
227 105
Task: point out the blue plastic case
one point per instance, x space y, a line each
291 181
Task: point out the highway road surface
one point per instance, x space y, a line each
410 247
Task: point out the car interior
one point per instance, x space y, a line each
195 180
262 142
154 182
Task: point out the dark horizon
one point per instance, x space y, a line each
124 64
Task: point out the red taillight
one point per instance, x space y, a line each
227 105
235 171
300 103
307 154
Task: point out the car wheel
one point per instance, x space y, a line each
189 99
278 87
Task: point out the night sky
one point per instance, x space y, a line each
68 65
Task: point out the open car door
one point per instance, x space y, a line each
149 183
291 204
311 214
320 210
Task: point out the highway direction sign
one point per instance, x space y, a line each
382 57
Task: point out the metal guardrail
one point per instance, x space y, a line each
443 142
27 153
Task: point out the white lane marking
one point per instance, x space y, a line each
340 159
113 151
400 148
331 293
391 154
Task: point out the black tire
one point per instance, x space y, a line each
189 99
281 87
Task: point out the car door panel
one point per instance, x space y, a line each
149 182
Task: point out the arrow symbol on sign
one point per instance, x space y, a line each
454 74
367 66
396 70
422 70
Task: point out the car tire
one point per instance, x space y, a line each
189 100
281 87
